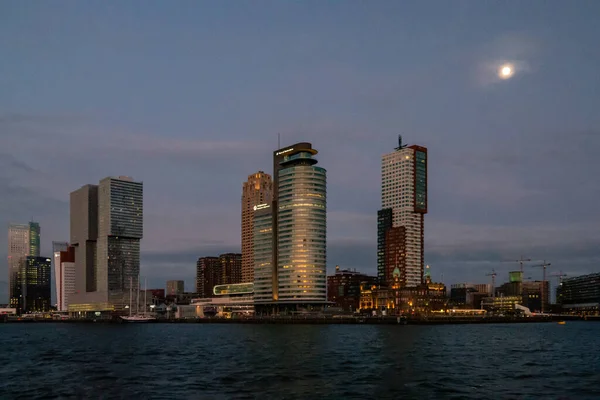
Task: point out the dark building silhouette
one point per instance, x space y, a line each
208 274
34 289
580 294
343 288
231 268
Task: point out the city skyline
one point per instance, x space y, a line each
511 156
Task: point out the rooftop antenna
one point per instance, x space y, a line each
400 145
278 140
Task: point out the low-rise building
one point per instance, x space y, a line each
343 288
580 294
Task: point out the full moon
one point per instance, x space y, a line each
506 71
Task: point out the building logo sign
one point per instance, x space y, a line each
261 207
284 151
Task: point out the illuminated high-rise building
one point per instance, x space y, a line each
400 224
23 241
298 231
258 189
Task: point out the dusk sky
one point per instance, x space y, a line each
189 96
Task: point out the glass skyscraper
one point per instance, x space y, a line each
120 229
298 235
263 253
106 230
23 241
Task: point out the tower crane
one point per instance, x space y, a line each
559 275
544 265
521 261
493 275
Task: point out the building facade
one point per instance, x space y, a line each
120 230
84 236
106 230
298 234
580 294
64 277
301 231
33 289
175 288
263 252
208 274
343 288
231 268
404 202
258 189
57 247
23 241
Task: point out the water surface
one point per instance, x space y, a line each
214 361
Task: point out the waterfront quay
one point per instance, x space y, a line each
315 320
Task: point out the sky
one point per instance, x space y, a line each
189 97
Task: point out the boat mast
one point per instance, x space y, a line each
130 288
137 312
145 295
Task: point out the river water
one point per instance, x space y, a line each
227 361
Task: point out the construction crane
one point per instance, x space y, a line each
559 275
521 261
493 275
544 265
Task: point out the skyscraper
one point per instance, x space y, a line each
106 229
257 190
400 224
23 241
120 229
33 289
298 229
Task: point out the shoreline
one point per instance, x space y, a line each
328 321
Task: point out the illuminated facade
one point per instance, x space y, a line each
501 304
398 300
258 189
404 204
263 254
297 215
343 288
301 227
23 241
